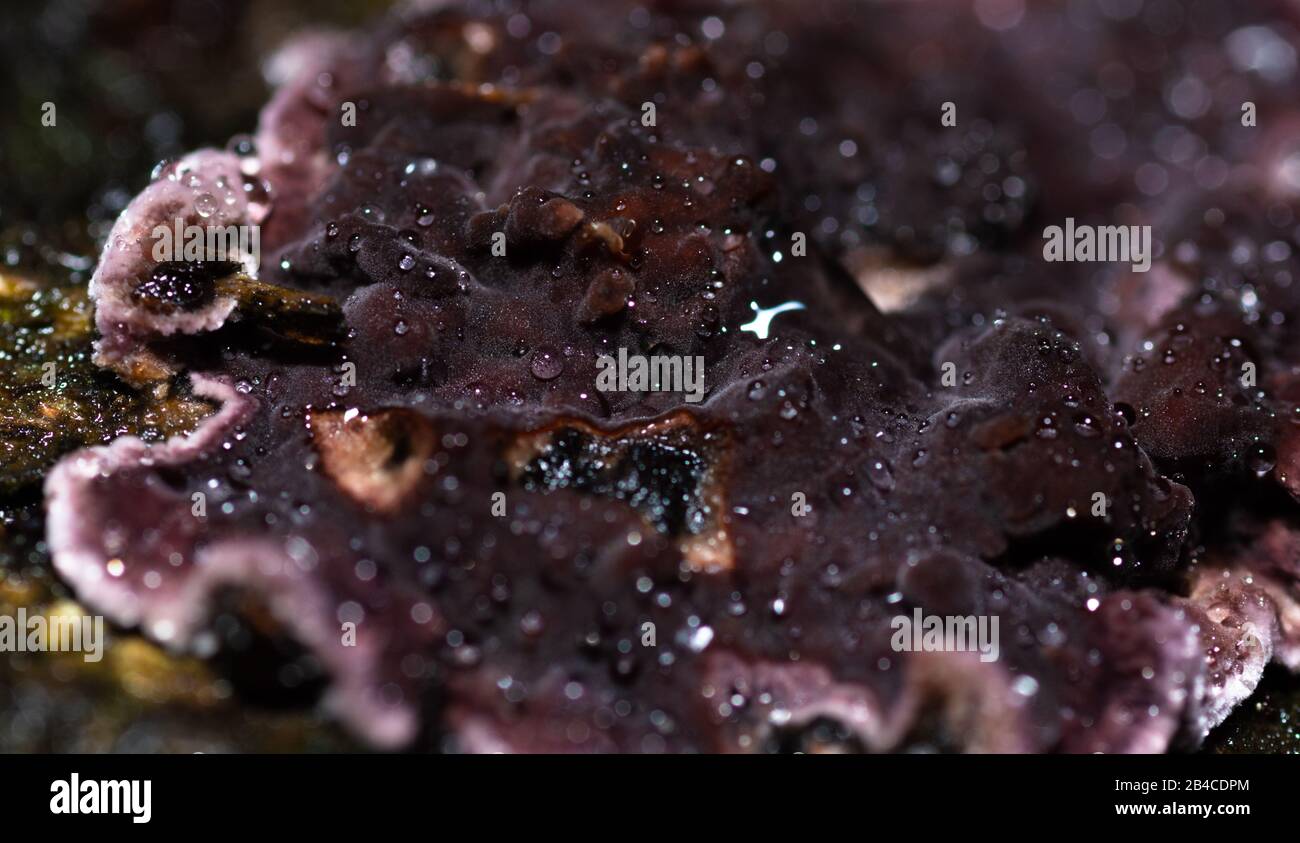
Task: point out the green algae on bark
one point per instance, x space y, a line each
53 399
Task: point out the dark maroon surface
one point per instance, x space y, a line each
475 374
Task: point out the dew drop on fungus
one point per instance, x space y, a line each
205 205
546 364
1261 459
880 474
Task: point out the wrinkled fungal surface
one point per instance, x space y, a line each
413 473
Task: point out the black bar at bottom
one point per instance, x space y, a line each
192 794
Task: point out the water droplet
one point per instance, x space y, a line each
532 624
205 205
1025 686
546 364
1261 459
421 167
242 145
700 639
1086 426
878 471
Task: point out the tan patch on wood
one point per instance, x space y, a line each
376 458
